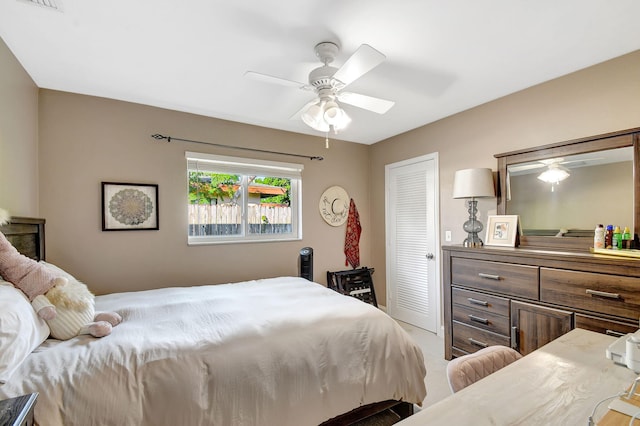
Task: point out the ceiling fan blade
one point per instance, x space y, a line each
582 160
277 80
524 167
366 102
550 161
362 61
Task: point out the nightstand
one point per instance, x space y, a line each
18 411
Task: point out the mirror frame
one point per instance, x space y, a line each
624 138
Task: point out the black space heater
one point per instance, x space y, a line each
306 263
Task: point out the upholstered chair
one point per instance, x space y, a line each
468 369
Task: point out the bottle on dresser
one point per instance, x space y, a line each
608 237
598 238
617 238
627 241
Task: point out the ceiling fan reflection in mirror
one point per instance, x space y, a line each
555 170
324 113
554 174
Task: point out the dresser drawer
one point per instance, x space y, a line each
611 328
505 278
481 310
480 301
471 339
608 294
485 320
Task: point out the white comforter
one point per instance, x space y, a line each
281 351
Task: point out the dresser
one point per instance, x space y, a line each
524 298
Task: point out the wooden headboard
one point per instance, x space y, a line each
27 235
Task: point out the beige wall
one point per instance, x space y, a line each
596 100
86 140
18 137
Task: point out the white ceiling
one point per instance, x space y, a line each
443 56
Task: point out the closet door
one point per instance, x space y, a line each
413 267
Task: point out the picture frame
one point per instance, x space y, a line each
502 230
129 206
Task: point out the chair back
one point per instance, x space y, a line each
468 369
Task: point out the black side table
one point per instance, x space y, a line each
354 282
18 411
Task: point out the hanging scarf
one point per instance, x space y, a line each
352 237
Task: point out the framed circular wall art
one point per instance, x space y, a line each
334 205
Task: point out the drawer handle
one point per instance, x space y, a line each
489 276
477 302
478 319
603 294
514 338
613 333
477 343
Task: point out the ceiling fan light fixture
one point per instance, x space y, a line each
313 117
335 116
344 122
332 112
554 175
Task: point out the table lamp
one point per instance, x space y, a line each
472 184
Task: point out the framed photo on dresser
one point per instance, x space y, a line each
502 230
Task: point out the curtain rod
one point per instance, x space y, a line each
169 139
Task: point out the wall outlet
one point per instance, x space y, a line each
447 236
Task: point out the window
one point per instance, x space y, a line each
238 200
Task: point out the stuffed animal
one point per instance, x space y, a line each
73 308
64 303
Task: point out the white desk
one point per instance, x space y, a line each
558 384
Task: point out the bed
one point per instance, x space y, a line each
278 351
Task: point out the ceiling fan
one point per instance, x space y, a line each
324 113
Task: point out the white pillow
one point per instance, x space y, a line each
21 330
58 271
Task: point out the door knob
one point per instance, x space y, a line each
430 256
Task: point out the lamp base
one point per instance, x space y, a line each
472 226
472 241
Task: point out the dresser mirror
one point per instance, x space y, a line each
562 191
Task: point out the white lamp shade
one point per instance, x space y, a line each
312 117
335 116
343 122
473 183
332 113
